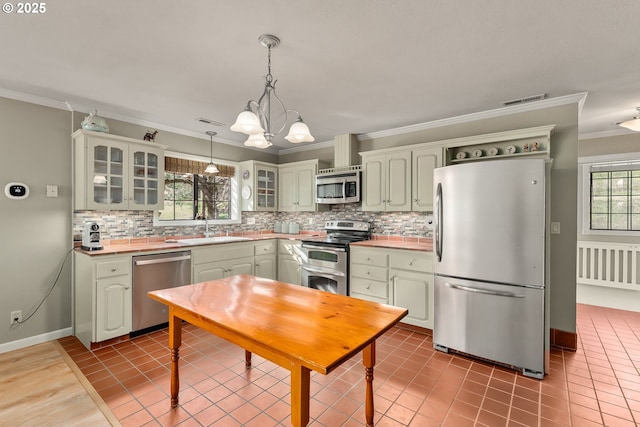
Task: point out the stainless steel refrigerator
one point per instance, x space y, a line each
490 268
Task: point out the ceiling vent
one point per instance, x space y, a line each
209 121
525 100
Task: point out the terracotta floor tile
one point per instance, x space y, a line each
414 385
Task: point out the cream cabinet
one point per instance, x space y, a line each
423 162
117 173
259 186
369 275
386 181
289 261
265 261
297 184
402 278
102 297
411 280
223 260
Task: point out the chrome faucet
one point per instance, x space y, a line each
207 233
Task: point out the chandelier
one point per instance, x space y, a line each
255 119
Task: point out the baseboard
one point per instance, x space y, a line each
36 339
563 339
602 296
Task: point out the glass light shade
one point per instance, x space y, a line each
257 140
299 132
211 168
247 123
633 124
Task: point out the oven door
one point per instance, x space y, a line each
324 268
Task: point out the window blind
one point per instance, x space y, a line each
177 165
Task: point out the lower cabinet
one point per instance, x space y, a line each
289 261
265 261
369 275
103 297
218 261
402 278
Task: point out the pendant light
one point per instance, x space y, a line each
633 124
255 119
211 168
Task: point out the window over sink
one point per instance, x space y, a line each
192 197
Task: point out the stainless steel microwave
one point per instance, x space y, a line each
338 187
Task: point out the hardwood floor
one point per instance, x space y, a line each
41 386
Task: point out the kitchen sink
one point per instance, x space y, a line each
206 240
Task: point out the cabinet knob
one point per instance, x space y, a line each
369 287
126 287
114 269
368 272
415 200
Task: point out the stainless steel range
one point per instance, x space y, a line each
325 265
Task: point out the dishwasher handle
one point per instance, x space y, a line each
162 260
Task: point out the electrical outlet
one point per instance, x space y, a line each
251 220
16 316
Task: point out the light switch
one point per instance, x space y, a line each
555 228
52 191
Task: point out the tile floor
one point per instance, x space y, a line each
414 385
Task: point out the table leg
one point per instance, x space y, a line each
369 360
247 359
300 395
175 340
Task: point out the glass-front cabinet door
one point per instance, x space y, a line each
146 169
265 188
107 183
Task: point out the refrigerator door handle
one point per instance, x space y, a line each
483 291
438 221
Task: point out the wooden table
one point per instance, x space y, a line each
298 328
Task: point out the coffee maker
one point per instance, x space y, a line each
91 237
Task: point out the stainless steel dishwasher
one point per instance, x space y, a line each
150 273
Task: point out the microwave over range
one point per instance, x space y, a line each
338 187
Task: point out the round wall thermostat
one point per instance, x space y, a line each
16 190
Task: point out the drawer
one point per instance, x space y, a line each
369 256
289 247
369 272
411 260
220 252
116 267
265 248
369 287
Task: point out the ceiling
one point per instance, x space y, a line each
357 66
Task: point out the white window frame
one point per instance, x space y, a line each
584 191
236 206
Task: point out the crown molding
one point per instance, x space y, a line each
577 98
604 134
306 147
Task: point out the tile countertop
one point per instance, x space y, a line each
122 246
412 244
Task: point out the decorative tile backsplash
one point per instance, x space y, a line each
130 224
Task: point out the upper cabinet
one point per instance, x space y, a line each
117 173
387 181
297 186
423 162
400 179
259 186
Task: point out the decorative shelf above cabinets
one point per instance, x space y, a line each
531 142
